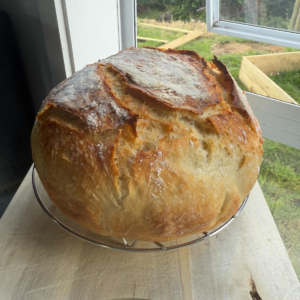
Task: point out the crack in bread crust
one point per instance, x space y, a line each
172 78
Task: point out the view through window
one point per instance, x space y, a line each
280 14
163 22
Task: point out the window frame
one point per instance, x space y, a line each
278 120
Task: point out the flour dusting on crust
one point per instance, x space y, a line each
166 76
86 95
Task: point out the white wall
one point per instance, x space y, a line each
94 30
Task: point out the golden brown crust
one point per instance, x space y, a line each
86 96
174 78
236 99
149 144
232 125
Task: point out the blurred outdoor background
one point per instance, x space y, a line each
181 24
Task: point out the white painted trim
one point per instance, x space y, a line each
248 31
212 13
128 16
257 33
135 22
118 2
62 24
279 121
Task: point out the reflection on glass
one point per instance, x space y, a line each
279 179
280 14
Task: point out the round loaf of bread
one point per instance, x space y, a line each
148 144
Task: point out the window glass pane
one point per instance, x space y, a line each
279 179
280 14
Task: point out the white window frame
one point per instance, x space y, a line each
279 121
248 31
128 15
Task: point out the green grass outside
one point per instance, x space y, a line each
290 82
280 170
150 14
156 33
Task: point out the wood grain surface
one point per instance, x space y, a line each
182 40
276 62
39 260
149 39
164 27
258 82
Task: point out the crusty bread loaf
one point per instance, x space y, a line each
148 144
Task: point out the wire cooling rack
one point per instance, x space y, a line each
119 243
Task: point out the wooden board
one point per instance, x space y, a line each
182 40
39 260
258 82
277 62
149 39
250 84
165 27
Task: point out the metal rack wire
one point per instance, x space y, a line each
126 246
